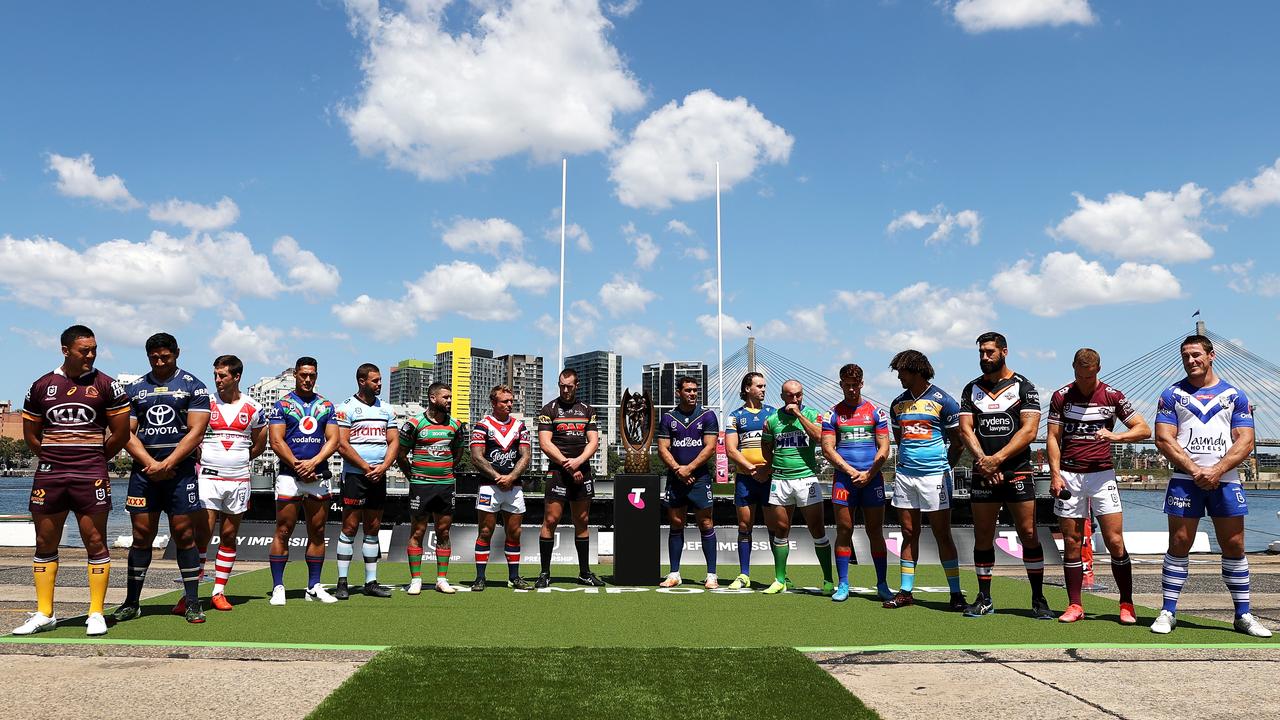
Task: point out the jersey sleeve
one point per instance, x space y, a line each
1030 397
951 410
1241 413
259 418
275 416
966 402
30 408
478 435
768 432
119 398
524 434
592 425
664 426
342 415
199 397
1124 408
460 435
731 423
882 422
409 433
1167 408
828 423
1055 407
327 413
544 420
712 425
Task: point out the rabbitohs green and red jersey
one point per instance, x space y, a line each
434 448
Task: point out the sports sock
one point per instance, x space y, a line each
482 558
415 561
675 548
1073 575
709 549
881 563
222 564
744 553
907 571
1033 561
45 571
346 549
843 554
277 568
99 573
781 548
203 558
139 561
583 546
315 563
822 547
1235 573
545 547
1122 571
443 554
513 560
370 551
1173 575
983 561
952 569
189 567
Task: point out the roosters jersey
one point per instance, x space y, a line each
1205 418
501 442
224 453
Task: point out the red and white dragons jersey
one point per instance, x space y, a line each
224 453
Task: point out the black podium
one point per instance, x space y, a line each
637 517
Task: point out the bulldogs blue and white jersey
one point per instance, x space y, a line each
161 408
368 430
1205 418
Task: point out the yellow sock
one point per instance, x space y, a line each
99 573
46 574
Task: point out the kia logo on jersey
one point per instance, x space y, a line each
72 414
636 497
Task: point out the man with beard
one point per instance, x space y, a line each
430 454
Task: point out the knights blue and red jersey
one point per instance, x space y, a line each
856 431
685 431
304 424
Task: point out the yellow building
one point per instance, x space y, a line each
469 372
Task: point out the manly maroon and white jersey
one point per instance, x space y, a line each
501 442
74 416
1081 418
224 453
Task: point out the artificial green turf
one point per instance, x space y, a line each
571 615
505 682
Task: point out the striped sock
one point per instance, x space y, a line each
1122 571
443 554
513 560
744 553
277 568
675 548
99 575
315 563
843 555
1173 575
709 549
482 558
781 548
881 562
822 548
1033 561
45 571
370 551
1073 575
952 569
983 561
415 561
139 561
222 564
1235 573
346 549
907 569
189 568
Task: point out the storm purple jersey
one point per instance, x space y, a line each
685 432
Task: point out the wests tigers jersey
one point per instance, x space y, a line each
998 410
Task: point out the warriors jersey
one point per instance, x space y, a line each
686 431
1205 418
748 425
997 410
1081 418
368 430
922 423
160 407
433 448
304 424
73 414
856 430
224 453
501 442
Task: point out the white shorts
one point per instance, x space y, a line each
800 492
491 500
926 493
230 497
1096 488
288 488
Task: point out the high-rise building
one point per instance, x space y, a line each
524 374
600 385
267 392
659 380
470 372
410 380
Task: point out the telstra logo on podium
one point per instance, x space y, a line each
636 496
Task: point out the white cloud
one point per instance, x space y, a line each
580 321
547 325
77 178
637 342
572 232
1066 281
1038 354
1240 278
41 340
734 329
697 252
676 226
671 155
806 323
708 286
1160 226
306 273
525 275
537 77
621 296
1249 196
968 220
195 216
977 16
921 316
383 320
257 343
647 250
487 236
622 8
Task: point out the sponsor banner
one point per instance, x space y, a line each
1008 548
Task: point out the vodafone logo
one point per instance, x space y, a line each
636 498
308 425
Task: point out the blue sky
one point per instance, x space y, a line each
356 183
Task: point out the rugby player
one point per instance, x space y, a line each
1082 418
687 436
501 451
569 437
926 426
999 416
303 433
73 419
368 440
237 434
742 432
168 416
1204 426
789 441
855 440
430 454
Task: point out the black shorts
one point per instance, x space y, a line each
425 498
361 493
562 486
1017 487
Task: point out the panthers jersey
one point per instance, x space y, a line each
160 407
856 431
1205 418
304 424
368 430
224 454
748 425
922 423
